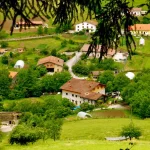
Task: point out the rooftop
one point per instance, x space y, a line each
51 59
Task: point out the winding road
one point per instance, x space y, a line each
72 62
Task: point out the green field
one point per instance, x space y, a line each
89 134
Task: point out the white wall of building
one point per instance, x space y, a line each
75 98
136 13
85 25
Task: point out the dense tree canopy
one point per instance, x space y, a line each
137 94
113 16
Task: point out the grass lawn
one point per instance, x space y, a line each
78 145
89 134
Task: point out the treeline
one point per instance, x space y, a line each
30 82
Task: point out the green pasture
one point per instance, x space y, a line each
78 145
89 134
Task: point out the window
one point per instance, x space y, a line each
78 26
73 101
76 96
73 95
66 93
82 27
91 26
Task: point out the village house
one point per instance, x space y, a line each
95 74
79 91
140 29
13 75
2 51
7 118
89 26
138 11
20 50
33 24
96 53
52 63
120 57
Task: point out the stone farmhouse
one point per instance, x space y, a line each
96 54
79 91
52 63
140 29
89 26
7 118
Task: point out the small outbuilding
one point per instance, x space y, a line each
19 64
82 114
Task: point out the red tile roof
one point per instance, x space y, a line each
82 87
86 46
33 22
12 74
136 9
51 59
140 27
91 95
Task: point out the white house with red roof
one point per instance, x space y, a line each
140 29
90 26
79 91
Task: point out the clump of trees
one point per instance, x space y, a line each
39 120
137 94
29 84
85 66
113 82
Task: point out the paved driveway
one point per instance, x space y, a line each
72 62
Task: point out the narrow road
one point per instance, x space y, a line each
72 62
28 38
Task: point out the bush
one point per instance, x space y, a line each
81 69
63 43
131 131
44 52
23 135
86 106
5 59
4 44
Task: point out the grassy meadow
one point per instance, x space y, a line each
89 134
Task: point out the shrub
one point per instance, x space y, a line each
5 59
4 44
81 69
63 43
44 52
23 135
86 106
131 131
